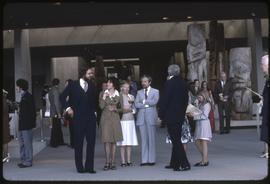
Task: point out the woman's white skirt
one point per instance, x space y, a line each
129 134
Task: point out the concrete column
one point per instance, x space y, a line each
254 35
64 68
22 58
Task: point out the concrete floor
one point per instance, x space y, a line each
233 156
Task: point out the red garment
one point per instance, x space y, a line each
212 120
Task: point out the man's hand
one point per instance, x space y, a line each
70 112
190 114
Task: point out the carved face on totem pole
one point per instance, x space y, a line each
240 70
196 53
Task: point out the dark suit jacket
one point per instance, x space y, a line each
265 107
173 103
82 103
27 112
226 90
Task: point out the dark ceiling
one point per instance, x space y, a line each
37 15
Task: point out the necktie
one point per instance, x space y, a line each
145 93
85 86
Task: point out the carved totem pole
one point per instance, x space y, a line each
196 53
240 70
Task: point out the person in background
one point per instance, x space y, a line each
265 108
146 102
127 124
111 131
132 86
210 99
222 95
68 120
27 121
194 89
203 133
55 113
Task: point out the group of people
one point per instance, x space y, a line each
122 111
221 96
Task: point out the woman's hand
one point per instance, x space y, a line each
112 108
105 95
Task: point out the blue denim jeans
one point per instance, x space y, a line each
26 146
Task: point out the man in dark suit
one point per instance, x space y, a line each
222 96
27 121
173 109
265 108
81 105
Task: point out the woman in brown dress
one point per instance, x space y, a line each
111 131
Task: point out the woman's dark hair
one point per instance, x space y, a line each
69 81
207 87
55 82
114 81
23 84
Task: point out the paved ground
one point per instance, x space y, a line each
232 156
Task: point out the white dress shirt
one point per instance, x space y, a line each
83 84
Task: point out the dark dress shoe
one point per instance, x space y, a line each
81 171
176 169
169 167
23 166
186 168
227 131
92 172
143 164
152 164
221 132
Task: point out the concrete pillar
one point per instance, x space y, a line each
254 35
22 58
64 68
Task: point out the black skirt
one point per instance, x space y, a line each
56 133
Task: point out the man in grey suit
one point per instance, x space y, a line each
55 112
146 101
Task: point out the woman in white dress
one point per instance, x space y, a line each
127 124
203 133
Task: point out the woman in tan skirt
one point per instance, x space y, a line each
111 131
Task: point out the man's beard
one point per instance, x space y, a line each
86 79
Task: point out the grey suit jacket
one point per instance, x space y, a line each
147 114
54 99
